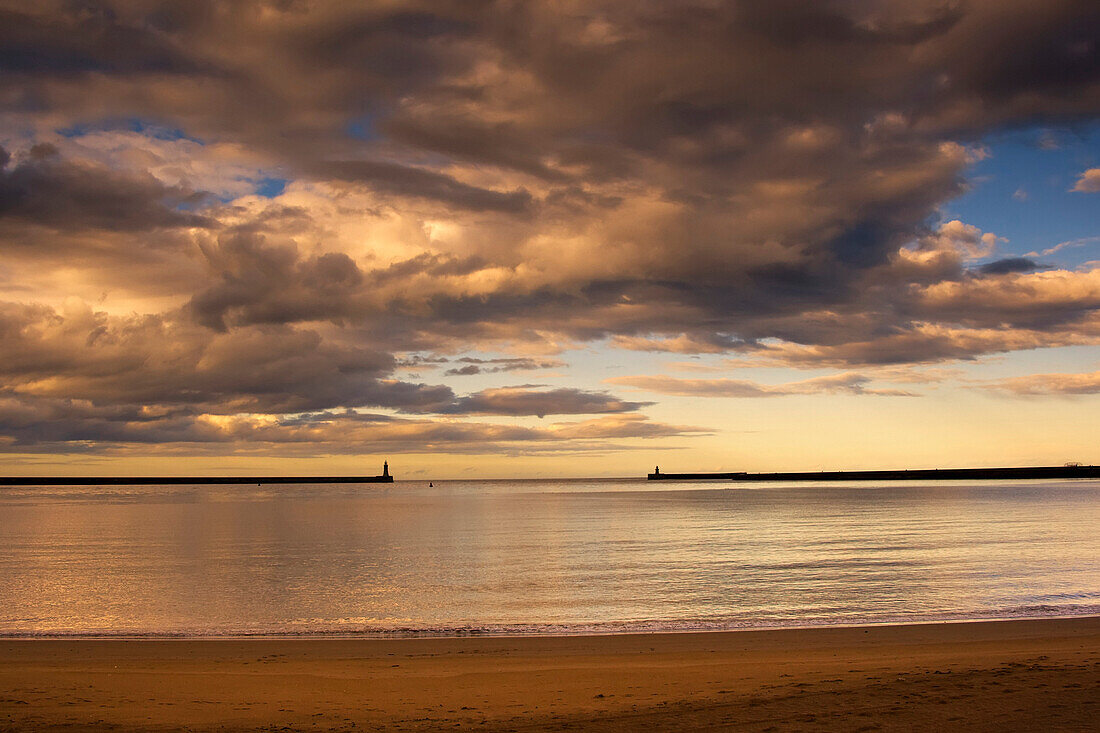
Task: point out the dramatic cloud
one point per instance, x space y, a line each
156 361
68 426
246 211
78 375
85 355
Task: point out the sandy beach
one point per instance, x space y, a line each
1005 676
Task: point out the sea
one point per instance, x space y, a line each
517 557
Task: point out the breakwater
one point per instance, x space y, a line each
153 480
921 474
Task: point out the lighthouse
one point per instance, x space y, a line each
385 469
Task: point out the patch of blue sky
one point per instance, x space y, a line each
362 128
268 187
147 128
1022 191
271 187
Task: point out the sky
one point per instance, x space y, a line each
535 239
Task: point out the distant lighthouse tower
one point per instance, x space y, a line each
385 469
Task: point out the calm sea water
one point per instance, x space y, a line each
540 556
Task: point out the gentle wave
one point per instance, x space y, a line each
1035 612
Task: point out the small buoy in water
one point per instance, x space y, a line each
430 485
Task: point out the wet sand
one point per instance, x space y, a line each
1003 676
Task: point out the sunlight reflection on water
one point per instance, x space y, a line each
532 556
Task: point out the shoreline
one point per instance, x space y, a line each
1009 674
555 633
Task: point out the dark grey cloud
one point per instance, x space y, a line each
882 319
413 182
522 400
81 375
1009 265
45 190
167 363
84 38
259 282
493 366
